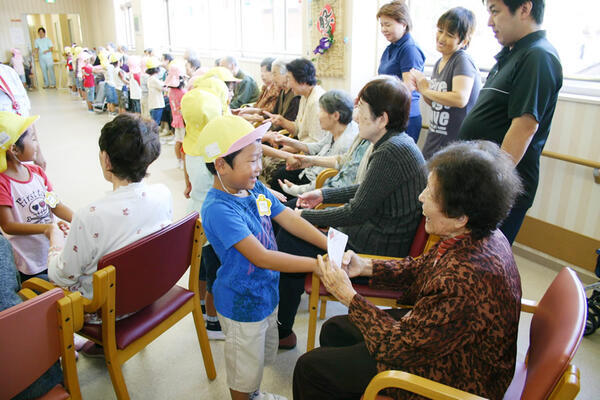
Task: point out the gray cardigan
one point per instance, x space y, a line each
380 215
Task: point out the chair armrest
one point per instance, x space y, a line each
528 306
38 285
26 294
323 206
378 257
77 306
324 175
415 384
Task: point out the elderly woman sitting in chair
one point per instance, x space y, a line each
128 145
465 292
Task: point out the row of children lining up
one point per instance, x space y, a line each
121 82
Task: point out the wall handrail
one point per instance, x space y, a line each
571 159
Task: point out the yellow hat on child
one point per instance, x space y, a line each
198 107
217 87
222 73
152 62
12 127
114 57
227 134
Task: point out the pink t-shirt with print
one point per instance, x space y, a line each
27 202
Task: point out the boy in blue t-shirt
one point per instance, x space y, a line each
236 216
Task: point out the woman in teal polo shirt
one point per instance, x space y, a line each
44 49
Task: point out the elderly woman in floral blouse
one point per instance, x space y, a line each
465 292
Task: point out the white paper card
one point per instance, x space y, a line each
336 244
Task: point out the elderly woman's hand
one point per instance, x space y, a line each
55 235
280 196
336 281
297 161
310 199
354 265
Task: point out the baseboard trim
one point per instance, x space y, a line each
559 242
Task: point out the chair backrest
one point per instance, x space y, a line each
29 341
419 241
556 331
150 267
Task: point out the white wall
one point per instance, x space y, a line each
13 10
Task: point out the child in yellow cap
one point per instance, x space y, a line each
27 204
236 216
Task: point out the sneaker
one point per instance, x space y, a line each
213 330
258 395
288 342
79 342
92 350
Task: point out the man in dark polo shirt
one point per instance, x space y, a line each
516 105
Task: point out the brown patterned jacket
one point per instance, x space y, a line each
462 330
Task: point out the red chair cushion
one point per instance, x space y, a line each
58 392
135 326
363 290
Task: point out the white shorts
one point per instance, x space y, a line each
248 347
179 134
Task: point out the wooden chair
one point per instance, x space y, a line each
33 336
385 298
141 278
324 175
547 373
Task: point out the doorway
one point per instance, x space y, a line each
63 30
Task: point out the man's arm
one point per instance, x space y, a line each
519 136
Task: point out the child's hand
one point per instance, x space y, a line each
55 235
188 189
64 227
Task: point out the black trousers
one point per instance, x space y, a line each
341 368
511 225
291 286
282 173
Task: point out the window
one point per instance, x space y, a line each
571 31
126 33
247 28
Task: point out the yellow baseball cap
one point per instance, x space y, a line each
152 62
67 49
217 87
12 127
198 107
113 58
227 134
77 50
222 73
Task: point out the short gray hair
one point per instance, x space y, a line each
340 101
281 64
230 60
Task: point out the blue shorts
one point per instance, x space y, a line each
79 83
91 93
111 94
